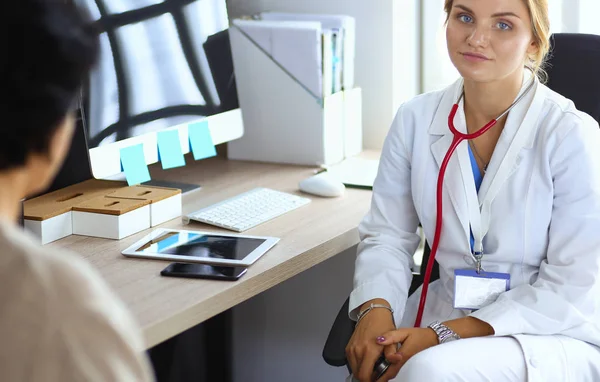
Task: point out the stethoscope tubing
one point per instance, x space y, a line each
457 139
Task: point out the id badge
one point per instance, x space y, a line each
474 290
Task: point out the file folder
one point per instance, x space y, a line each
343 24
328 63
294 45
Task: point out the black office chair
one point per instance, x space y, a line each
572 69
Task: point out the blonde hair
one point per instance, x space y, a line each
540 25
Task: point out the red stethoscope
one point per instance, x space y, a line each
458 138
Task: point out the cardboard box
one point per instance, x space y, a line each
110 217
49 217
165 203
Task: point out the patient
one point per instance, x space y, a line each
59 321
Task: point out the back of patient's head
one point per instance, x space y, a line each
47 50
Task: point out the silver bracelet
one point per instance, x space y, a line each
370 308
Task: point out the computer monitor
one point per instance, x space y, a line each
163 64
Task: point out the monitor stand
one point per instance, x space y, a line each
184 187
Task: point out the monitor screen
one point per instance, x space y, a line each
162 63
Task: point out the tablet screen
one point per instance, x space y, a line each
200 245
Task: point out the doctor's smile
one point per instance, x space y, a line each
503 175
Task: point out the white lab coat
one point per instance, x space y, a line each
543 189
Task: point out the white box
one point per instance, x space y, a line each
165 203
165 210
111 218
51 229
283 122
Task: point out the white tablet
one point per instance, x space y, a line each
201 247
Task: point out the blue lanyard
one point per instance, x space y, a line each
478 177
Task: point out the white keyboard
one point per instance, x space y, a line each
248 210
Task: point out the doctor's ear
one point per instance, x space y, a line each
533 50
532 54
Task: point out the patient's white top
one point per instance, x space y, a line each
58 319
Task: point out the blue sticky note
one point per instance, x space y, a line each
201 141
169 149
133 163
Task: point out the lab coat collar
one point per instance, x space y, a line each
519 133
439 125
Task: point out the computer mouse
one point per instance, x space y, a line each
322 184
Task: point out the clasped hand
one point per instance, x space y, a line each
398 345
408 341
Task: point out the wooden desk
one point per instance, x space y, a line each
165 307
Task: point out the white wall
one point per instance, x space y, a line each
437 69
386 49
583 15
279 334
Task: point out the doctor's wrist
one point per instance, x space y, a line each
375 307
378 301
469 327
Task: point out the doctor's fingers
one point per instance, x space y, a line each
354 356
367 364
352 361
394 337
390 353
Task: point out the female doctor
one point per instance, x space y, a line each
526 195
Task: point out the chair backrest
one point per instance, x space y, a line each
574 70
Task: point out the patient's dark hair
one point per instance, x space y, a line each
47 49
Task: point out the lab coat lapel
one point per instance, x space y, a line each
518 134
458 172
